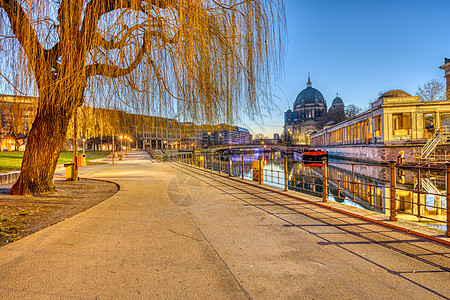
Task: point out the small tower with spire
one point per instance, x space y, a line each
309 83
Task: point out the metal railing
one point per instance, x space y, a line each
427 154
10 177
417 202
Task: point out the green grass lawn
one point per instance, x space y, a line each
12 160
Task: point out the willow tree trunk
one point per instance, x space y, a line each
44 145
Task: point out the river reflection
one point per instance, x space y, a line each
363 186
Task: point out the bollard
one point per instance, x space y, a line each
285 175
393 205
447 179
229 164
260 171
325 180
242 167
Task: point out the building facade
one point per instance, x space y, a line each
395 122
16 116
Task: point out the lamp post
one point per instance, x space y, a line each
289 136
209 139
220 139
113 148
121 147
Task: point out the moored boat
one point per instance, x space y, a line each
314 156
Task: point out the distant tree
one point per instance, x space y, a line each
433 90
380 93
336 114
259 136
352 110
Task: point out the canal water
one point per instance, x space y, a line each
354 184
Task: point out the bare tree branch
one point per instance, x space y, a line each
25 34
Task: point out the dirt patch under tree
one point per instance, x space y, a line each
21 216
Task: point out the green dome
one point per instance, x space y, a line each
337 100
309 95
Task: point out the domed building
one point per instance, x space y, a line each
309 104
309 109
337 102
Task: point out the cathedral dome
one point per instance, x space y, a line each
337 100
309 95
394 94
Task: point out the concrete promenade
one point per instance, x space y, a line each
173 232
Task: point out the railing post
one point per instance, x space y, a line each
260 171
419 192
303 176
242 167
229 164
447 179
220 166
325 180
339 188
393 202
285 174
212 161
353 182
204 161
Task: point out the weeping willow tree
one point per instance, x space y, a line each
204 59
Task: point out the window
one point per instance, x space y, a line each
445 121
401 124
377 126
428 124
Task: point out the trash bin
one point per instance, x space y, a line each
81 160
69 170
256 169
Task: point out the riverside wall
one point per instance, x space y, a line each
378 154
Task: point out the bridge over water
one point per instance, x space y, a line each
288 149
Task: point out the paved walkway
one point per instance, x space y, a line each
176 232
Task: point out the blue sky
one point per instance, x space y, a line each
358 48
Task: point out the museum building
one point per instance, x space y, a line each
395 122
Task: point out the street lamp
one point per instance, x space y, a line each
289 136
130 140
209 139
